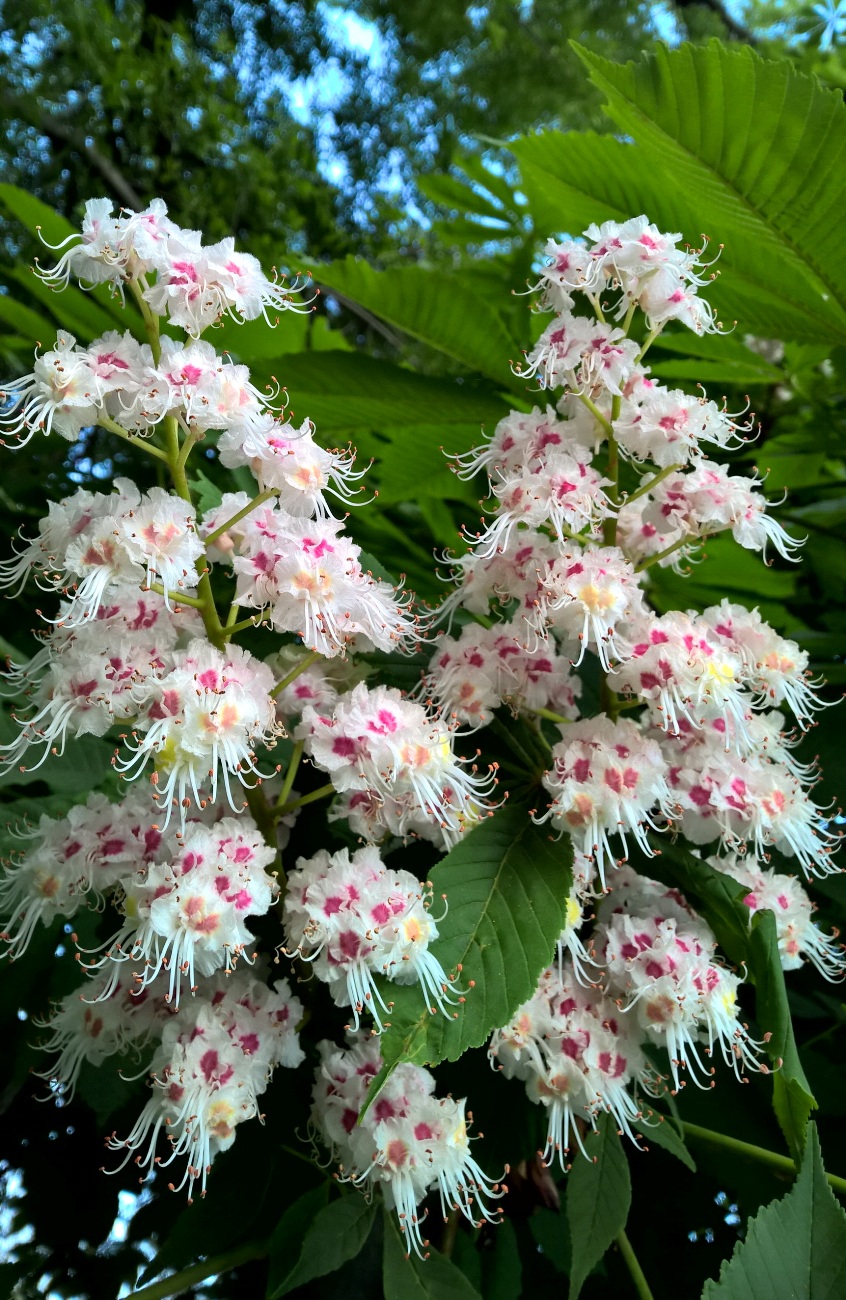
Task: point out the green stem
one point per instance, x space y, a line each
151 321
597 414
550 716
761 1154
196 1273
305 663
176 596
304 799
287 784
135 439
661 555
176 465
450 1233
647 344
637 1275
653 482
232 628
251 505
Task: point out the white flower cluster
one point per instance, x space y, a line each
214 1061
194 285
184 896
577 1055
799 938
565 557
394 764
96 545
655 981
353 918
307 575
483 668
408 1143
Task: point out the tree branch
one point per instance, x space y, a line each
63 133
733 27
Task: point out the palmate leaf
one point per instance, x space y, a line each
440 310
708 116
795 1248
405 1277
345 392
702 123
575 178
334 1236
506 886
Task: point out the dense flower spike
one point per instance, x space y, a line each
389 747
799 938
353 918
607 778
309 579
548 617
200 722
195 284
483 668
76 861
577 1055
215 1060
660 966
408 1143
187 915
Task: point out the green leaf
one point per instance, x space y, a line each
85 765
36 328
795 1248
76 310
438 309
708 116
346 392
335 1236
502 1269
288 1240
506 885
599 1194
459 196
551 1231
659 1130
793 1100
411 1278
207 495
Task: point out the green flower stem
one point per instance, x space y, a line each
608 697
305 663
322 793
134 439
653 482
647 344
231 629
596 413
175 596
196 1273
761 1154
290 775
640 1283
176 465
661 555
151 321
550 716
251 505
